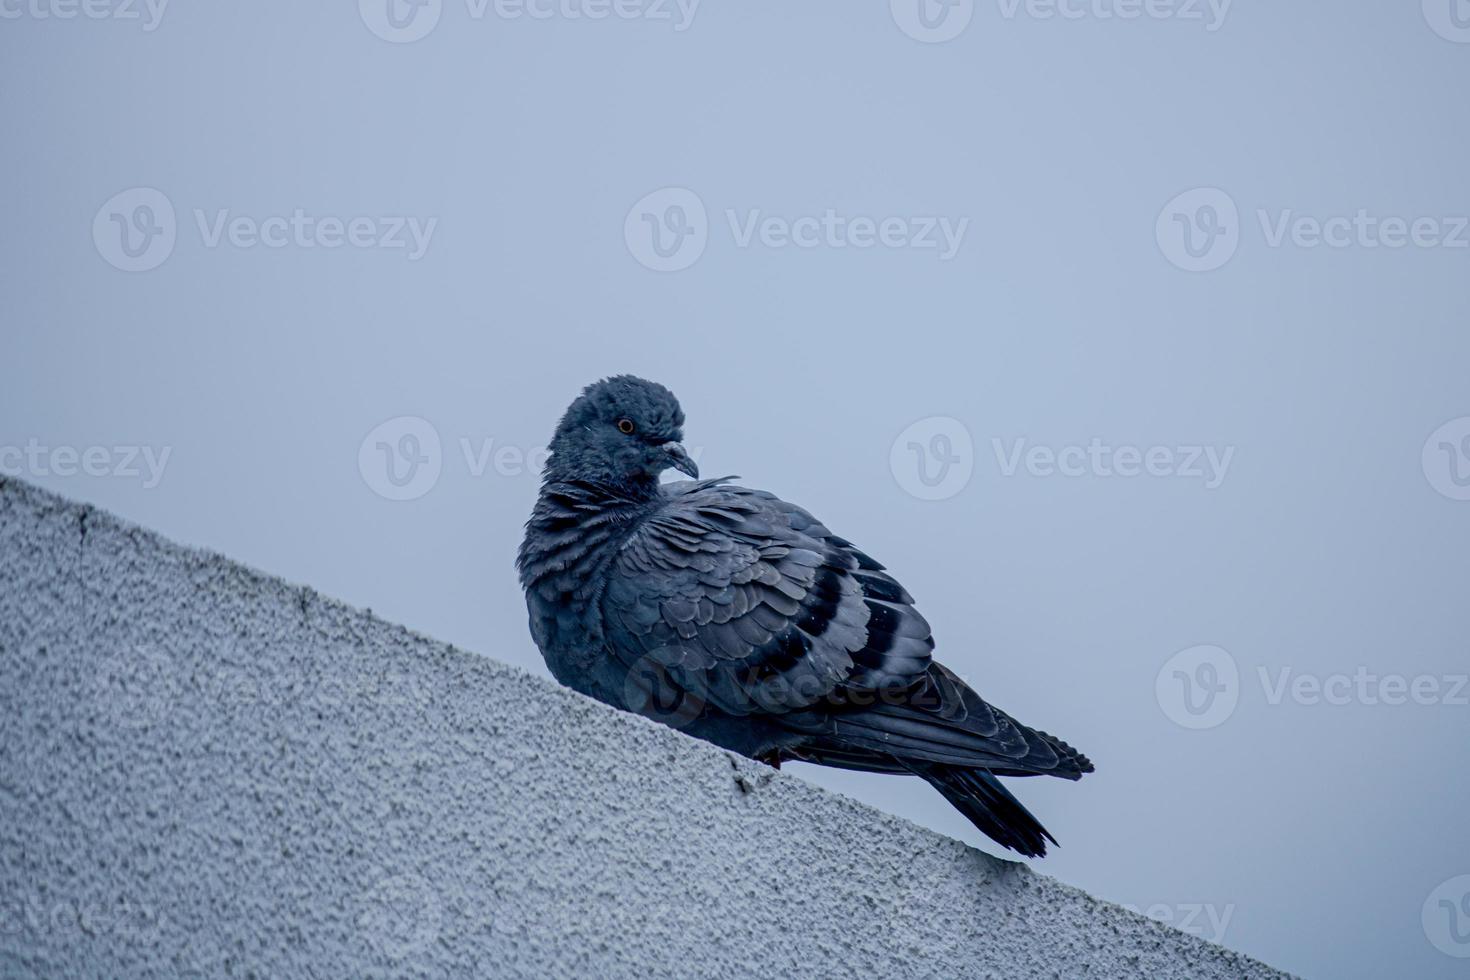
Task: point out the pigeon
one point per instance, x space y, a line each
739 618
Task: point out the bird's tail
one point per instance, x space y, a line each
988 805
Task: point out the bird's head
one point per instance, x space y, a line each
622 432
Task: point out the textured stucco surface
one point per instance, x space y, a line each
206 771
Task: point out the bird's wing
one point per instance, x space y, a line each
941 720
751 604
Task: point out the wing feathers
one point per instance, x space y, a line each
788 612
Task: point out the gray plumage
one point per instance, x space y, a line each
741 619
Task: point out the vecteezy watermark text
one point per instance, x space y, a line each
303 230
668 230
937 21
149 13
833 230
405 21
1363 686
1097 459
120 917
1204 919
1211 13
35 458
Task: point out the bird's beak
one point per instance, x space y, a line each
679 459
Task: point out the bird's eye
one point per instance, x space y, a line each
626 426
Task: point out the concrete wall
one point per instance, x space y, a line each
210 772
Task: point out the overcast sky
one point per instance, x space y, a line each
1135 346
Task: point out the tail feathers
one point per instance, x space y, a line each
1074 765
989 806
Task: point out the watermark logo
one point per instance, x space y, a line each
148 12
1450 19
660 686
1198 687
667 231
401 459
934 458
932 21
1446 459
1446 917
136 689
135 230
401 916
400 21
1199 230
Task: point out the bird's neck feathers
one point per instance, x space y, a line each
576 524
597 483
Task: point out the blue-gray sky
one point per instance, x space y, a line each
942 278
